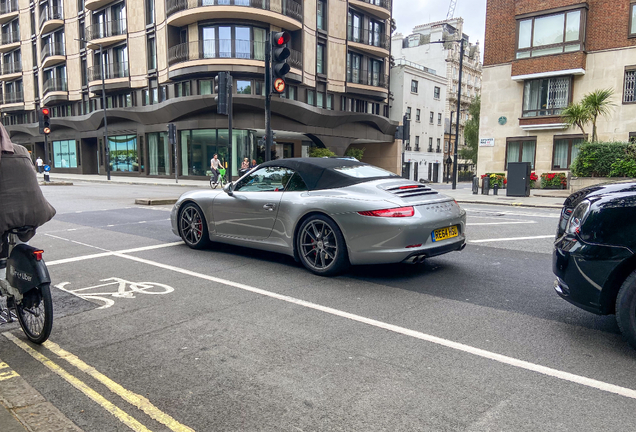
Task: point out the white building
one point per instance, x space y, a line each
420 93
444 59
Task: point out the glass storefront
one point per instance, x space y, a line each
65 154
198 146
123 153
158 153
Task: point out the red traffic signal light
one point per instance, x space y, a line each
45 111
280 54
45 121
281 38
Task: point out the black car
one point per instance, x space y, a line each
594 257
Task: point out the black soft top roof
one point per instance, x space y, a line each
321 173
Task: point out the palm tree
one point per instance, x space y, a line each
598 102
576 114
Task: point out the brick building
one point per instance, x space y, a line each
540 56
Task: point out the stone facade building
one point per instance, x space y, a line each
160 60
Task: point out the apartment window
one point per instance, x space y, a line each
521 150
80 5
413 86
84 71
439 118
431 117
205 87
566 148
436 92
354 72
632 20
408 113
321 15
311 97
330 102
629 87
182 89
354 27
373 78
430 144
546 96
290 93
36 85
320 58
417 114
376 30
632 137
11 32
551 34
243 87
150 12
417 143
34 29
152 52
439 145
232 41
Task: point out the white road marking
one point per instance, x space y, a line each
500 223
76 242
110 253
522 364
511 213
512 239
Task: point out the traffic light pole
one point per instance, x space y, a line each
46 158
106 144
230 90
459 101
268 97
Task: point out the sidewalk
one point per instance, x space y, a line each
463 194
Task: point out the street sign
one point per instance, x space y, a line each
487 142
47 168
279 85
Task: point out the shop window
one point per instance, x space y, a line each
123 153
65 154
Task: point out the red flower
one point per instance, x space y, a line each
505 181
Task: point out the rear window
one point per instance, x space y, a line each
364 171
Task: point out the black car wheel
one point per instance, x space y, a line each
626 309
321 246
192 227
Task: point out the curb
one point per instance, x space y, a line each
55 183
155 201
512 204
141 183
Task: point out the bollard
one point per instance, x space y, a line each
46 176
475 185
485 187
495 189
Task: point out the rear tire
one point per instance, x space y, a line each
626 309
321 246
35 313
193 228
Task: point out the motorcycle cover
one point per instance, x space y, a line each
21 200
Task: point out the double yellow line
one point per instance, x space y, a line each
134 399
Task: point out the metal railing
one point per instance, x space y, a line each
357 77
289 8
357 34
295 59
417 148
415 65
10 37
11 67
54 84
386 4
112 71
13 97
106 29
430 149
8 6
438 150
51 49
51 13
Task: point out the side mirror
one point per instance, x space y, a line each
228 188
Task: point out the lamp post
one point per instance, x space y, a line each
103 74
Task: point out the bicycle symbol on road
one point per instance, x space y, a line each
125 289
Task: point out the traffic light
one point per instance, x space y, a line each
220 89
45 121
280 53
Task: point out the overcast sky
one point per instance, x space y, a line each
409 13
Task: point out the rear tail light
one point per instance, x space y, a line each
394 212
38 254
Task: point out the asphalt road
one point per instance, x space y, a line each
239 340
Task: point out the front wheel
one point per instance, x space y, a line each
321 246
35 313
192 227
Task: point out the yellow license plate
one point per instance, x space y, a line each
444 233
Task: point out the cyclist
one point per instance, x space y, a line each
215 164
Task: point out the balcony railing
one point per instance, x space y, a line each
430 149
51 13
9 6
106 29
295 59
386 4
289 8
417 148
51 49
357 77
54 84
438 150
416 66
10 37
11 67
357 34
13 97
112 71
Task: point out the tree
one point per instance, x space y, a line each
598 103
576 114
471 132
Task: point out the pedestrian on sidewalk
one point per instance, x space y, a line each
40 164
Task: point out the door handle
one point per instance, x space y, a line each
269 207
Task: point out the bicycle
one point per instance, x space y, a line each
220 180
26 285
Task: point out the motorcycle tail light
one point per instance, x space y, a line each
394 212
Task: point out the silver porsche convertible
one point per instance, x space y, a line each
328 213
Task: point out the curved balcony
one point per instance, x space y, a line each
374 43
379 8
11 70
116 76
213 55
96 4
51 18
54 89
52 53
358 82
10 41
9 9
14 98
107 33
287 14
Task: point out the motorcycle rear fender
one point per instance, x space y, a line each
24 271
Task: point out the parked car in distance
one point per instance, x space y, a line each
328 213
594 258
